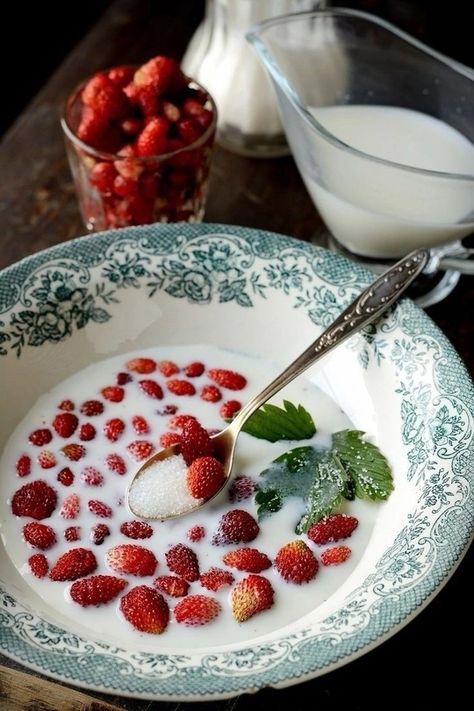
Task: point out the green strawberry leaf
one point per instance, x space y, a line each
290 474
276 423
326 491
267 501
365 464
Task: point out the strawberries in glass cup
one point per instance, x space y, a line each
139 142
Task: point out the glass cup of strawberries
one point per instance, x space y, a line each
139 143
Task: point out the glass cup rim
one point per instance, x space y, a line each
161 157
254 37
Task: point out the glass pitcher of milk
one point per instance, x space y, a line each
381 128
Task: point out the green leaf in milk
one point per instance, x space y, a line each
365 465
276 423
326 491
290 474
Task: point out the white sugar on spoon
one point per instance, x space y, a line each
161 491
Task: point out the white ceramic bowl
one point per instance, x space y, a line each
264 294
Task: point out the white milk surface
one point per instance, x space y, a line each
386 211
106 622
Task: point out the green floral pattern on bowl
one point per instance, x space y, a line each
51 297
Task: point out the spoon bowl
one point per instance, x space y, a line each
365 309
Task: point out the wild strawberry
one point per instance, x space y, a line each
171 585
145 609
96 590
162 73
195 442
104 97
140 449
227 378
179 421
99 533
144 366
65 424
40 437
151 388
71 506
87 432
46 459
167 439
140 425
99 508
168 368
113 393
180 387
72 533
136 529
75 563
216 578
66 405
65 477
168 410
183 561
241 488
193 106
92 128
332 528
251 595
92 408
91 477
115 463
74 452
36 500
189 130
194 370
196 610
152 140
132 559
335 555
204 477
23 465
229 408
38 565
102 177
296 563
236 526
114 428
39 535
211 393
123 378
196 533
248 559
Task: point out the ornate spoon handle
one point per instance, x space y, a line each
365 309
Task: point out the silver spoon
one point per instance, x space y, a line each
365 309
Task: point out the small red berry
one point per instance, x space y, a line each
40 437
38 565
113 393
335 555
229 408
87 432
194 370
65 477
115 463
99 508
180 387
92 408
65 424
211 393
196 533
23 465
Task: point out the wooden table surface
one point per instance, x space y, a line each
423 664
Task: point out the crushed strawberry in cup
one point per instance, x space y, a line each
139 143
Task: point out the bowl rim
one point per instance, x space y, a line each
103 241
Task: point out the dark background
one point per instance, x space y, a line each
46 32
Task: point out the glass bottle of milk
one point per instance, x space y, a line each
219 57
